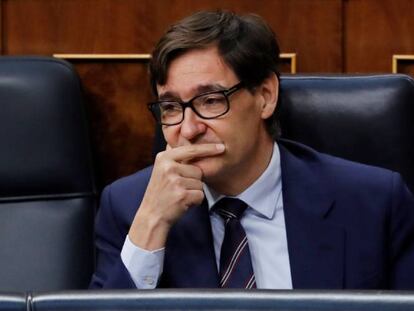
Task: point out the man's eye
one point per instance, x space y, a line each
170 107
216 99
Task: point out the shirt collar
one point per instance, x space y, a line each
263 194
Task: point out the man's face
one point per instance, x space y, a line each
241 129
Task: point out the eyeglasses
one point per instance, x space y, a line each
209 105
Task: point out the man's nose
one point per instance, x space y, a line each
192 125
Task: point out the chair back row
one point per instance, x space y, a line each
209 300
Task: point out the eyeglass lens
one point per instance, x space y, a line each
206 106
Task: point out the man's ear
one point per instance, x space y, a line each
269 92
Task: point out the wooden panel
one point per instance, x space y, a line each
405 65
79 26
375 30
121 125
122 129
311 28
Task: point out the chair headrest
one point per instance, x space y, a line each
368 119
44 149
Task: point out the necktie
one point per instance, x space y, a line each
235 262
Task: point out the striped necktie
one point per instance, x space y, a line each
235 262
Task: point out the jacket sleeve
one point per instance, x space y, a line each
401 248
110 271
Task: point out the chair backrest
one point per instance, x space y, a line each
217 299
47 192
367 119
13 302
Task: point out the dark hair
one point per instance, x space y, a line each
246 43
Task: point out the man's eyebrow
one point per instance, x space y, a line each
209 88
169 96
202 88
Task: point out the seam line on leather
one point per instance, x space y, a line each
43 197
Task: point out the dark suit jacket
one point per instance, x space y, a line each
348 226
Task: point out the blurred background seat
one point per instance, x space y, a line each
47 192
367 119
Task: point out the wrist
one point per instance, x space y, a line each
148 231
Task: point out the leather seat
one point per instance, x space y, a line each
367 119
13 302
47 192
224 300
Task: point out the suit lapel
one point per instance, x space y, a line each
189 258
316 246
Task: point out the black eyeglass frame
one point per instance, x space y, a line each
189 104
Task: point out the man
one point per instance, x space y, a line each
307 220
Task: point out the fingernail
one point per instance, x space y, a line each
220 147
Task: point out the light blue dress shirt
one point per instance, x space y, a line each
263 221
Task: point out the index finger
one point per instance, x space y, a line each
189 152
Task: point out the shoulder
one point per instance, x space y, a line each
336 171
131 185
358 191
349 183
123 196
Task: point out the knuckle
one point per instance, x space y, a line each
199 196
159 156
169 168
192 150
200 186
174 180
198 172
178 182
180 194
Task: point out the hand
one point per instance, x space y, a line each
174 186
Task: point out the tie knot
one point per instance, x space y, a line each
230 208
